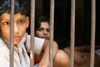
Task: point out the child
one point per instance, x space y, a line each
42 30
82 55
21 40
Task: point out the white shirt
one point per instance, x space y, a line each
21 58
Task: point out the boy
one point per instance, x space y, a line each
82 55
21 40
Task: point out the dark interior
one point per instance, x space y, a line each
62 21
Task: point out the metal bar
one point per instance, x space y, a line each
72 37
51 32
32 33
92 33
12 34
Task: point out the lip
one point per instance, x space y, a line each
45 38
16 37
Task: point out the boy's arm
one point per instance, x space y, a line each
45 59
77 48
84 48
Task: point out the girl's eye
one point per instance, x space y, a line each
48 30
22 21
40 29
6 23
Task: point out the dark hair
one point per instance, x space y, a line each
39 20
20 7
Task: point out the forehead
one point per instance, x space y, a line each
6 16
44 24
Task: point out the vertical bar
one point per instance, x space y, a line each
51 32
92 33
32 33
72 37
11 34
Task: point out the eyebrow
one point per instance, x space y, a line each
9 19
42 27
22 18
5 19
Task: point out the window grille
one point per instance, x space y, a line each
72 37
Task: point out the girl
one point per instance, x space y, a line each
42 30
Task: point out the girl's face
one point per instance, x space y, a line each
43 31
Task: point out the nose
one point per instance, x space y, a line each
45 32
16 29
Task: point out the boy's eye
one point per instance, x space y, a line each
6 23
22 21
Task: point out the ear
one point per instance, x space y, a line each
27 22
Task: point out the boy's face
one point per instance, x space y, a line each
21 22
